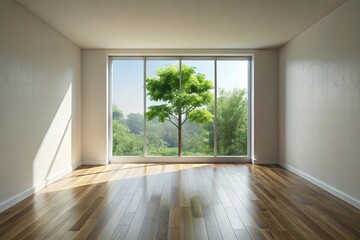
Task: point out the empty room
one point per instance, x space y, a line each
193 119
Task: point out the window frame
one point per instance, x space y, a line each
176 159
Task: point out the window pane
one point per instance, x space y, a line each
128 107
162 83
198 93
232 107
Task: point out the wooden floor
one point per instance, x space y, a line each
181 201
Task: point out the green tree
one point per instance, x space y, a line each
180 103
117 114
232 117
135 122
161 139
196 139
125 143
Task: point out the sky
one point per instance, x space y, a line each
128 78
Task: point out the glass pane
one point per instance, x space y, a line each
232 107
162 98
128 107
197 83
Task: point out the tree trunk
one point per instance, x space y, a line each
179 133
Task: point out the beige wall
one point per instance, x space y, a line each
94 149
93 108
265 130
40 83
320 103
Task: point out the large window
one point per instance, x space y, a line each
174 107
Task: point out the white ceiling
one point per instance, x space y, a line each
180 23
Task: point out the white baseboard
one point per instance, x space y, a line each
93 162
336 192
264 161
16 199
36 187
76 165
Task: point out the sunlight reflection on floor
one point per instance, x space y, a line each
87 175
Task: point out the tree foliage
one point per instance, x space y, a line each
179 102
135 122
125 143
232 117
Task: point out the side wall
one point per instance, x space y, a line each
40 111
320 103
94 97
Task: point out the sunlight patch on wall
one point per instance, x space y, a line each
55 151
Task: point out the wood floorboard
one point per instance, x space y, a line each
181 201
